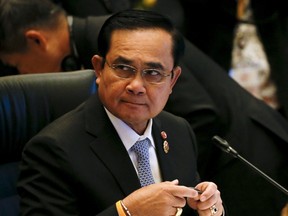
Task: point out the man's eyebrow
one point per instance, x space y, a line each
155 65
123 60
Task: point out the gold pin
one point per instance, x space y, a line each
165 146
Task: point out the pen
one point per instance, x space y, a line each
199 191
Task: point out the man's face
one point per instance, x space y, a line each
33 61
134 100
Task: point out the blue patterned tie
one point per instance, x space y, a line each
144 169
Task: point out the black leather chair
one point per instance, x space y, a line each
27 104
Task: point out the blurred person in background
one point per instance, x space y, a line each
249 39
83 8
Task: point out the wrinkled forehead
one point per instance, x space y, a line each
155 42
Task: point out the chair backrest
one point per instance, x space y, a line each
27 104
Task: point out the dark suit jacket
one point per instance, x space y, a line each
84 8
256 131
79 166
214 104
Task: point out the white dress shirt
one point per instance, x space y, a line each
129 137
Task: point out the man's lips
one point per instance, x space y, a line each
136 103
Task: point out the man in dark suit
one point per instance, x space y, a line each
211 107
85 164
213 104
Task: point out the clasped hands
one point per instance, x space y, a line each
167 198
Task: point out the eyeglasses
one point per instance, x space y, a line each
150 75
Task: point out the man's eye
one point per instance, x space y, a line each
124 68
153 72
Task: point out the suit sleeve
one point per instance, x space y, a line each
47 183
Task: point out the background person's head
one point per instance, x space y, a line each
32 34
137 66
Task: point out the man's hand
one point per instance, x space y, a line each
207 203
159 199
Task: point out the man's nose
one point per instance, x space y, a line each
137 84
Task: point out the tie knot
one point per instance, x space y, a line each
141 148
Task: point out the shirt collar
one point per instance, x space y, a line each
127 135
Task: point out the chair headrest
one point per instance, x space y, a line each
30 102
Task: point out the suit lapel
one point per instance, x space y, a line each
165 159
108 147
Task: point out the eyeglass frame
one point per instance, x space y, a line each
133 69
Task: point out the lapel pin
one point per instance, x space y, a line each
164 135
165 146
165 143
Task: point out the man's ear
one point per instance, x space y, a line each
36 38
176 74
97 62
